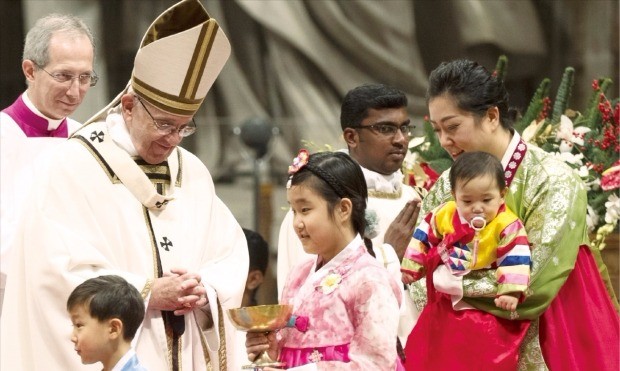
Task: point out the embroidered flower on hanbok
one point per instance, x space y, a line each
315 357
330 282
514 315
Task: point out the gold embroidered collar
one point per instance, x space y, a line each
389 195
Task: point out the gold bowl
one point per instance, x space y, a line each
260 318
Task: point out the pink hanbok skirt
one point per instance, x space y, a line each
580 329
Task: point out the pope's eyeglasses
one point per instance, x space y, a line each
63 77
388 130
167 129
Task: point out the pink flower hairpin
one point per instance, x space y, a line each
298 162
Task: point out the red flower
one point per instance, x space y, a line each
432 175
610 178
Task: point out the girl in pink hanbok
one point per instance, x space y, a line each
345 304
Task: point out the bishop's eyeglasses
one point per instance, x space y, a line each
63 77
167 129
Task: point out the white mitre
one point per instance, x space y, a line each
180 56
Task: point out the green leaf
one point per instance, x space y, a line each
564 91
536 105
440 165
432 152
500 67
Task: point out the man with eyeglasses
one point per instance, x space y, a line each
58 59
121 197
58 65
376 128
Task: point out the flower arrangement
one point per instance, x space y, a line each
587 141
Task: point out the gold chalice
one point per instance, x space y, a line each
261 318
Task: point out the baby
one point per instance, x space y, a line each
476 231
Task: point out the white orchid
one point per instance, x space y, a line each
565 130
592 219
578 135
592 184
613 209
411 158
423 144
566 147
583 172
570 158
530 131
568 133
416 141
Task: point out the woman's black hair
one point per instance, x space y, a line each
473 88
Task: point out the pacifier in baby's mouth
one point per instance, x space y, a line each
477 223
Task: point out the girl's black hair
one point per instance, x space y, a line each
335 175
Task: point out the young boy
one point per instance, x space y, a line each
106 312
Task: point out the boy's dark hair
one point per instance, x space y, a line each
258 250
359 100
470 165
333 176
110 297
